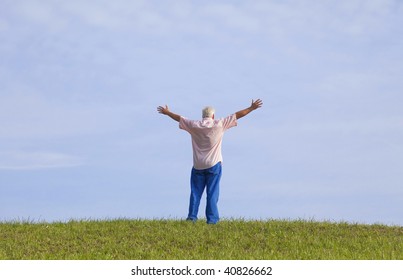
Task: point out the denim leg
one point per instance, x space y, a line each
197 185
213 175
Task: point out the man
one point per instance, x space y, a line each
207 137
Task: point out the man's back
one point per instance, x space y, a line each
207 137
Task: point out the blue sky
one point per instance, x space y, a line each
80 137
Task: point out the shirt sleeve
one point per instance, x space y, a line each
229 122
184 123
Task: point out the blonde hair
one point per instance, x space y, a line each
208 112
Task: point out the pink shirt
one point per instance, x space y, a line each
207 137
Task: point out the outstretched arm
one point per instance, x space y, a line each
165 111
255 105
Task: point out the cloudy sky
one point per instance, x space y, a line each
80 81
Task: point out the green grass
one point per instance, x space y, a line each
182 240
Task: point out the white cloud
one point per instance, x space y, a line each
28 115
232 16
22 160
276 21
101 15
4 26
115 15
65 15
330 20
38 12
353 127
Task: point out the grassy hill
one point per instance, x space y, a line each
175 239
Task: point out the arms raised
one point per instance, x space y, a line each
165 111
255 105
240 114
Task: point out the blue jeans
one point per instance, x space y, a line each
200 179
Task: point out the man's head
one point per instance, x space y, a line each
208 112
